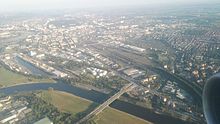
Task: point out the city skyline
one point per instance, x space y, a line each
127 63
29 5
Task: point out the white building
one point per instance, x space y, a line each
32 53
10 117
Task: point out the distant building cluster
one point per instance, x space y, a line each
12 111
149 50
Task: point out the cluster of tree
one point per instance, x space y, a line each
112 83
72 65
42 109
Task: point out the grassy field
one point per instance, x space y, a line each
66 102
8 78
69 103
113 116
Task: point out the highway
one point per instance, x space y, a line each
101 107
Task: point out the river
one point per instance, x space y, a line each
33 69
92 95
95 97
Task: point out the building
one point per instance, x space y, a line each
32 53
7 117
5 99
44 121
59 73
134 73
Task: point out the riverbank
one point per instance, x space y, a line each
9 78
90 87
97 97
114 116
20 84
73 108
73 104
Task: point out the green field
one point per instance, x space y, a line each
66 102
9 78
113 116
69 103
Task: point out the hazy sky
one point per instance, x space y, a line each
9 5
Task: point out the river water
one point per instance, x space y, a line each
95 97
92 95
33 69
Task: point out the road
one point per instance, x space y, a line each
131 85
101 107
191 87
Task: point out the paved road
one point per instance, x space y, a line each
107 103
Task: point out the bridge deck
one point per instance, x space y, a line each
101 107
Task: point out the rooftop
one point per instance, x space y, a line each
44 121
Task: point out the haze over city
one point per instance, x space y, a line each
109 61
27 5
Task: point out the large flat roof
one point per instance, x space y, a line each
44 121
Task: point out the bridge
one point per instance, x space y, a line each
101 107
